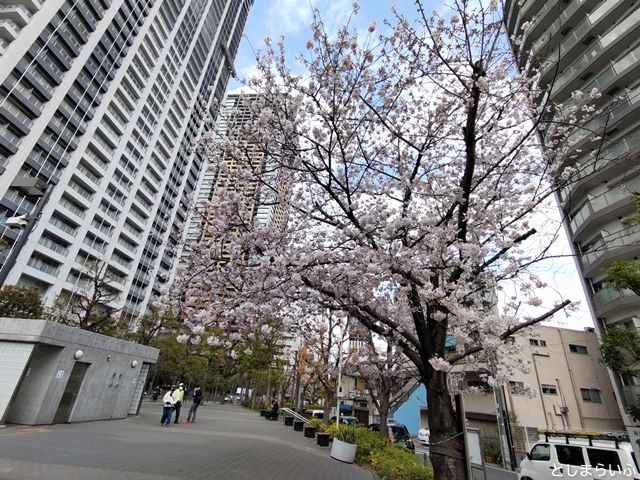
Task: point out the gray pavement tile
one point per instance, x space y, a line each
226 442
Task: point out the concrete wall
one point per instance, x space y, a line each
106 392
35 384
13 361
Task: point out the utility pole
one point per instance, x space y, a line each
32 220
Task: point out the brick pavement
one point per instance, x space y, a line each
227 442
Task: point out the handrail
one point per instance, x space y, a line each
295 415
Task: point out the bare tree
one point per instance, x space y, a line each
90 305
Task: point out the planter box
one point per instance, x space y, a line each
310 432
288 421
298 425
323 439
345 452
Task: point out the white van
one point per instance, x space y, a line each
314 414
549 460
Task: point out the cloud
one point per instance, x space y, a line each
286 17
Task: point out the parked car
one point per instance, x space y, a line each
397 432
314 414
348 419
558 459
423 436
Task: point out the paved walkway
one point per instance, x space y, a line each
227 442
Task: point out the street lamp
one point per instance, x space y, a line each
32 187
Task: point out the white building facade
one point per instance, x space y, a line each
101 101
585 45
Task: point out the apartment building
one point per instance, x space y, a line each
251 173
100 104
582 45
567 387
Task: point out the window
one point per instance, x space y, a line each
534 342
570 455
517 388
549 389
479 385
541 453
581 349
510 340
591 395
604 459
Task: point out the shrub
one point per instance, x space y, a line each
492 453
368 442
331 429
346 433
318 423
397 463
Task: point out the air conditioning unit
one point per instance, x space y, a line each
560 409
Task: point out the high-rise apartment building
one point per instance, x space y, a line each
260 191
101 102
585 45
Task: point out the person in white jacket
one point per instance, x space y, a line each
168 401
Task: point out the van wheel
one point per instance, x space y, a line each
525 478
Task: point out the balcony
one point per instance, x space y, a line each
51 245
81 191
28 99
102 227
607 299
129 246
121 261
89 174
20 201
43 267
611 244
78 212
69 230
9 31
96 245
14 115
595 205
111 213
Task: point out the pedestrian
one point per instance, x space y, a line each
178 394
197 398
273 414
169 402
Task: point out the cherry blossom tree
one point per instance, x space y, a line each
386 372
405 166
327 353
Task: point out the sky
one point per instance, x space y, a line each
291 18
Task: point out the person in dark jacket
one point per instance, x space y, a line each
273 414
197 398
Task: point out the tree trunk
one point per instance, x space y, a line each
383 412
446 445
329 401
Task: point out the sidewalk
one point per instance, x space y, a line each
227 442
